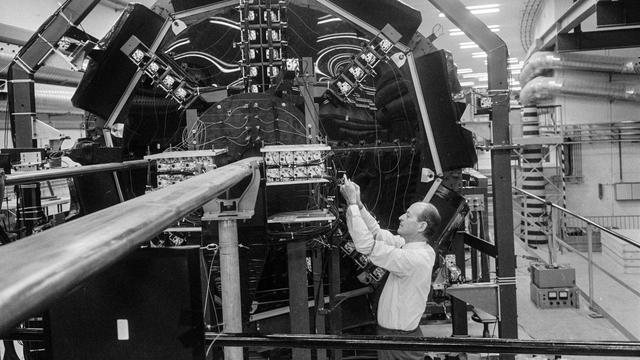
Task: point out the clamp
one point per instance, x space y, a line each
238 208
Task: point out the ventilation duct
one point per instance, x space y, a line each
46 74
541 61
577 84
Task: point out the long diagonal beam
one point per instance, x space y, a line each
497 55
37 270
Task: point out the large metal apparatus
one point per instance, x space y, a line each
263 96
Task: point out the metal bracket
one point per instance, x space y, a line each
235 209
481 295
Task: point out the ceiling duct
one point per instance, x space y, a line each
46 74
577 84
543 60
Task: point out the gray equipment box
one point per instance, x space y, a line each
546 276
549 298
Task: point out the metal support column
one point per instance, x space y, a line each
497 55
335 316
318 291
230 281
298 295
459 307
21 106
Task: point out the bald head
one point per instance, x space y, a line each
429 214
421 220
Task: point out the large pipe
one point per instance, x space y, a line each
449 344
46 74
578 84
41 268
545 60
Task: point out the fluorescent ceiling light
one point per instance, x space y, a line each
487 6
475 75
516 88
483 79
481 86
479 55
481 9
516 71
458 32
465 71
512 60
467 83
468 45
485 11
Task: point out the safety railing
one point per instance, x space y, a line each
556 220
430 344
40 268
611 222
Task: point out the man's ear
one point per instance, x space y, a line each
422 226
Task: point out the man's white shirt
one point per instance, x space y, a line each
404 296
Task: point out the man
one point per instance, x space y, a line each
407 256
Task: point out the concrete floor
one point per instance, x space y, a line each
567 323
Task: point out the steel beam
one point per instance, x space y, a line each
449 344
41 268
477 243
43 175
574 16
599 40
497 55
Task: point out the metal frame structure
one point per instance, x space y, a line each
49 264
497 55
20 75
497 68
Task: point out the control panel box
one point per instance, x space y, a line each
559 297
295 164
176 166
546 276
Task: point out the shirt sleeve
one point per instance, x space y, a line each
378 233
362 237
384 249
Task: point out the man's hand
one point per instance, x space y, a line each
350 192
358 198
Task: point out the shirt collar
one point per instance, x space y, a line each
415 244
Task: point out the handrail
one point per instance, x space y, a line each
609 231
449 344
41 268
43 175
606 272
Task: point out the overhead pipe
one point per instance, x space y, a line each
41 268
46 74
577 84
541 61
